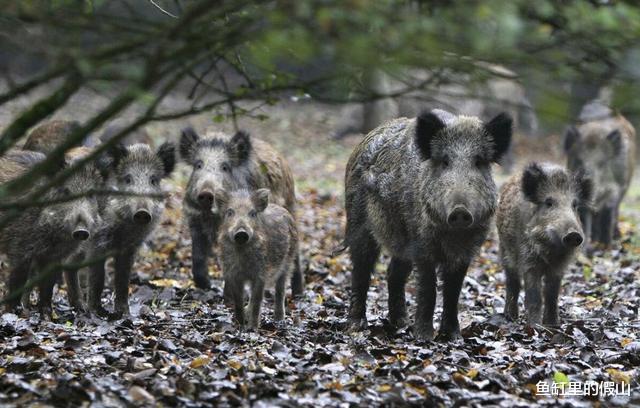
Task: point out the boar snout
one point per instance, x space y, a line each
573 239
241 236
142 217
80 234
205 199
460 217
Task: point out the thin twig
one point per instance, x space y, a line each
163 10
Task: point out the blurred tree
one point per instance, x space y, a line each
228 51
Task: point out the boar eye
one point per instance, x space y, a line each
574 204
128 179
230 212
198 164
154 180
226 168
65 192
445 161
253 213
548 202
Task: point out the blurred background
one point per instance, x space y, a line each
312 76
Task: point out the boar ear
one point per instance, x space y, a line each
188 140
109 161
260 199
428 125
500 129
615 138
532 177
167 154
240 146
117 153
571 136
584 185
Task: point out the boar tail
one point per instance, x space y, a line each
339 249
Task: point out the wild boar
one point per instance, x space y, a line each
605 150
128 218
41 237
423 190
540 230
259 242
222 162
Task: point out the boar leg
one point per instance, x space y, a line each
513 292
533 296
397 274
122 266
255 303
606 226
364 253
73 290
595 226
201 250
616 216
45 287
278 307
96 286
453 278
423 328
17 279
297 279
236 291
551 293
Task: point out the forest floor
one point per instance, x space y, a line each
180 346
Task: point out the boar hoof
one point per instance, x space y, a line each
423 333
119 313
356 325
202 282
398 322
448 335
511 314
46 313
100 311
79 309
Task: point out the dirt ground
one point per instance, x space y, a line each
181 348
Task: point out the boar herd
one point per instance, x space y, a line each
420 189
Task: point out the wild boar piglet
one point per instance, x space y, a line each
540 230
259 242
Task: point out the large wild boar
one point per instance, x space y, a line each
605 150
539 230
46 137
222 162
41 237
259 242
128 218
423 190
